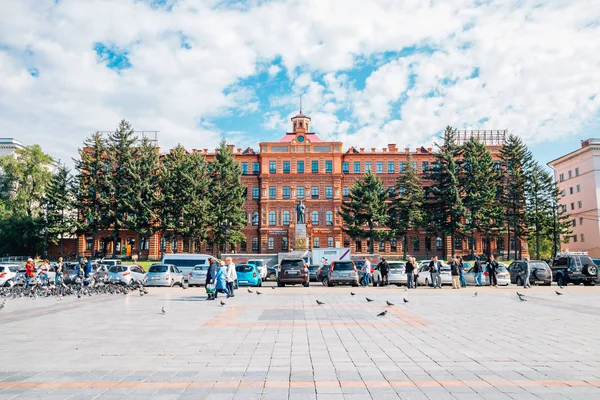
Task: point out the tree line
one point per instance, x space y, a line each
466 191
120 182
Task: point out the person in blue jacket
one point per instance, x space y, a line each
220 280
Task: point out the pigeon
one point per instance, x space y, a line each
250 291
558 293
352 294
272 287
320 303
522 299
381 314
388 303
404 299
369 300
78 296
163 310
257 292
520 295
184 287
2 305
475 295
222 303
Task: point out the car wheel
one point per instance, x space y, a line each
306 284
181 283
279 284
325 281
426 282
561 280
329 284
589 283
260 283
519 281
590 270
355 285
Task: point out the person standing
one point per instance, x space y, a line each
415 273
58 278
435 269
477 270
455 273
44 269
409 268
384 270
220 280
367 272
87 270
461 272
492 267
231 275
29 271
526 273
210 276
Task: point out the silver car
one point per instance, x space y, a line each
8 273
343 272
126 274
397 274
197 276
425 277
164 275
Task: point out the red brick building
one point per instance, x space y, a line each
300 166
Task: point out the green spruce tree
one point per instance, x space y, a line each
406 206
226 198
122 157
446 209
60 205
365 209
516 160
479 179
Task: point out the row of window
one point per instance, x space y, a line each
579 205
571 191
285 218
561 177
581 238
286 192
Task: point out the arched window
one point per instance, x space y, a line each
416 244
346 242
284 244
246 218
439 244
316 243
314 217
330 242
329 218
173 245
286 217
270 243
393 245
163 244
255 218
254 244
272 218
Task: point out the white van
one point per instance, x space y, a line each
186 262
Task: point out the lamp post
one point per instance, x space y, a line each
225 224
555 229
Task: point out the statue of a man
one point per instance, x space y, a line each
300 209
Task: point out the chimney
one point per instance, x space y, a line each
392 148
429 149
239 151
362 149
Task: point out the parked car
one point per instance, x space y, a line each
574 267
541 274
186 262
502 276
397 275
164 275
596 261
322 274
272 272
248 275
425 277
342 273
293 271
110 262
8 272
70 273
126 274
313 271
197 276
100 271
261 265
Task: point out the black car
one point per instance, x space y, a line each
574 268
541 274
272 272
313 271
322 274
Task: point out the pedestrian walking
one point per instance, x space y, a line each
527 274
366 272
58 277
220 280
210 276
461 271
415 273
384 269
435 268
231 275
492 267
455 273
87 270
477 270
29 271
409 268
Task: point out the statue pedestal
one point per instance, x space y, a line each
301 242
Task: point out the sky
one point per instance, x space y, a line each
369 72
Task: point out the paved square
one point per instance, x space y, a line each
443 344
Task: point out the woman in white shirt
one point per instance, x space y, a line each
231 275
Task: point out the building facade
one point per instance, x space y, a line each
302 167
578 177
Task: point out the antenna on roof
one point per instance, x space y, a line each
300 104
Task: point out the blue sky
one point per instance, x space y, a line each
369 73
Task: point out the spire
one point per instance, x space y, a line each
300 104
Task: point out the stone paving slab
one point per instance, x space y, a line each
282 345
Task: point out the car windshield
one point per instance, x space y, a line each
244 268
292 263
117 268
343 266
158 268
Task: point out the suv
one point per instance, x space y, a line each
293 271
342 272
541 273
574 267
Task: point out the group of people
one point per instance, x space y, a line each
83 268
222 275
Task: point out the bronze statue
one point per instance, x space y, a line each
300 210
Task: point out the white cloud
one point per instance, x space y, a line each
538 65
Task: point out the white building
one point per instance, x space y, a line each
9 145
578 177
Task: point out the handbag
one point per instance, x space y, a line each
210 288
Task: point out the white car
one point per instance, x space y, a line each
126 274
261 265
425 277
8 272
397 275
